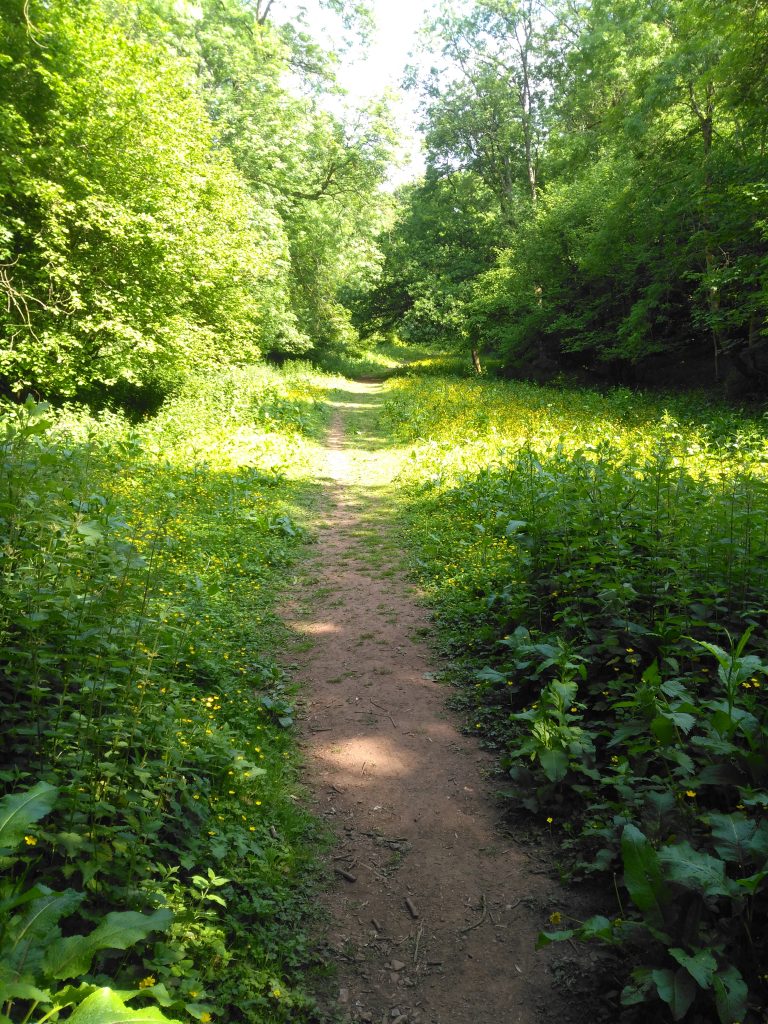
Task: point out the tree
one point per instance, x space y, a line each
166 203
488 117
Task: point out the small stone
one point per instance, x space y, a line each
397 965
394 1013
343 995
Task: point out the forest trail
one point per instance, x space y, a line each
434 911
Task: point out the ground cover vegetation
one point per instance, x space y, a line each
598 566
595 191
155 860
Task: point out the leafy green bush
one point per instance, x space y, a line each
34 955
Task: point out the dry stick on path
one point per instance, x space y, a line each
363 626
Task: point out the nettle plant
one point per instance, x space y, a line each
45 974
683 823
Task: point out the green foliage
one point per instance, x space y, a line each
34 953
591 559
443 237
617 150
138 574
166 204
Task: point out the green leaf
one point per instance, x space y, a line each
23 990
732 834
44 914
730 995
90 532
638 990
597 927
20 810
554 764
701 965
676 989
72 956
106 1007
663 729
490 675
546 938
758 844
642 873
695 870
72 995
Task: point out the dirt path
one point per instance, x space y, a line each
434 912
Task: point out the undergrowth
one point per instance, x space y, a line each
156 860
599 565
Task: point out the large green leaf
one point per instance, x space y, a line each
730 995
695 870
732 834
72 956
642 873
546 938
106 1007
677 990
554 764
31 932
22 990
758 846
701 965
20 810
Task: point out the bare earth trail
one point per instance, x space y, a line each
434 911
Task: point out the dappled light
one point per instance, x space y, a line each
353 561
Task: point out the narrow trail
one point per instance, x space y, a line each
434 911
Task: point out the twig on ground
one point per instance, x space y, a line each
384 710
419 933
477 924
346 874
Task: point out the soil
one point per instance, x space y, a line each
434 908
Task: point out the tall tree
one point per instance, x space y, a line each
484 99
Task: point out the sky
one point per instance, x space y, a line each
397 24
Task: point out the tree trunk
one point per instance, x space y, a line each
476 360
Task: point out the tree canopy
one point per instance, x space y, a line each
177 191
619 149
167 201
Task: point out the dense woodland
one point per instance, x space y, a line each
595 194
195 229
175 194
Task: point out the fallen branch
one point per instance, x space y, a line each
346 874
